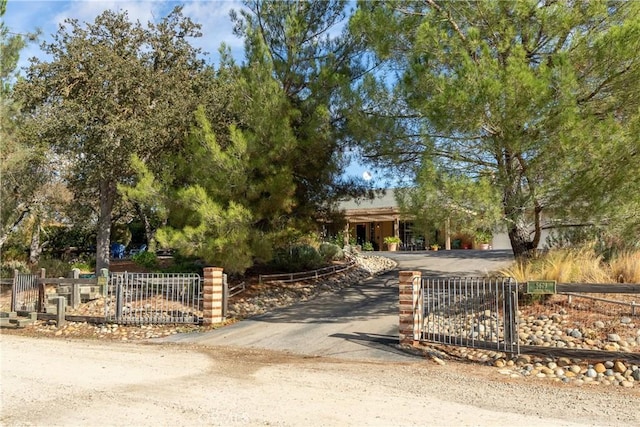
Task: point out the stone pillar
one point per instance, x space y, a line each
410 307
212 291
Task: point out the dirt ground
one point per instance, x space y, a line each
75 382
72 381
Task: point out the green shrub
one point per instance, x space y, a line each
367 246
184 264
338 239
62 237
330 251
84 267
146 259
84 263
14 253
9 266
54 267
297 258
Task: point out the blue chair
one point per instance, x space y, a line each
135 251
117 250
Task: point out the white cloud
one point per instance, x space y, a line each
86 11
216 25
26 16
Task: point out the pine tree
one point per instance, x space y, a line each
527 94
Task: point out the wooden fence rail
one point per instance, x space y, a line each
306 275
598 288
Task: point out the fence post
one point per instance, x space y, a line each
510 316
410 305
60 311
75 289
225 296
119 295
14 290
212 291
42 291
102 281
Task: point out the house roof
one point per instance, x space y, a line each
383 199
383 207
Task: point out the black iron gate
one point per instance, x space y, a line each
470 312
146 298
26 294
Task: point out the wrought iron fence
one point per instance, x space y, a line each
145 298
470 312
25 294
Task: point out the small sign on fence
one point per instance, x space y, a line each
102 285
541 287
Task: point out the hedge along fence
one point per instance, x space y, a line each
306 275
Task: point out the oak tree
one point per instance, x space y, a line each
112 89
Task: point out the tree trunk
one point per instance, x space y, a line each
103 240
520 243
524 241
6 231
149 232
515 199
34 248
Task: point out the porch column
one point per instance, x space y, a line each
345 237
447 234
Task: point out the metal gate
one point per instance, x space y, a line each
25 295
470 312
150 298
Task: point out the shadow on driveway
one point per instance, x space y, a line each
358 322
375 297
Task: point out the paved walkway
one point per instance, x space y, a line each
359 322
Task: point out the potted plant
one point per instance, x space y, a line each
435 247
483 239
392 243
367 246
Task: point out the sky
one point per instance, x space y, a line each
25 16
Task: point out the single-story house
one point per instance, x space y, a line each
371 220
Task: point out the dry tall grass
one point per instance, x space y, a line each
625 268
520 270
578 266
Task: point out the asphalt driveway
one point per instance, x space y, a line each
359 322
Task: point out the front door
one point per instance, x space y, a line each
361 234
